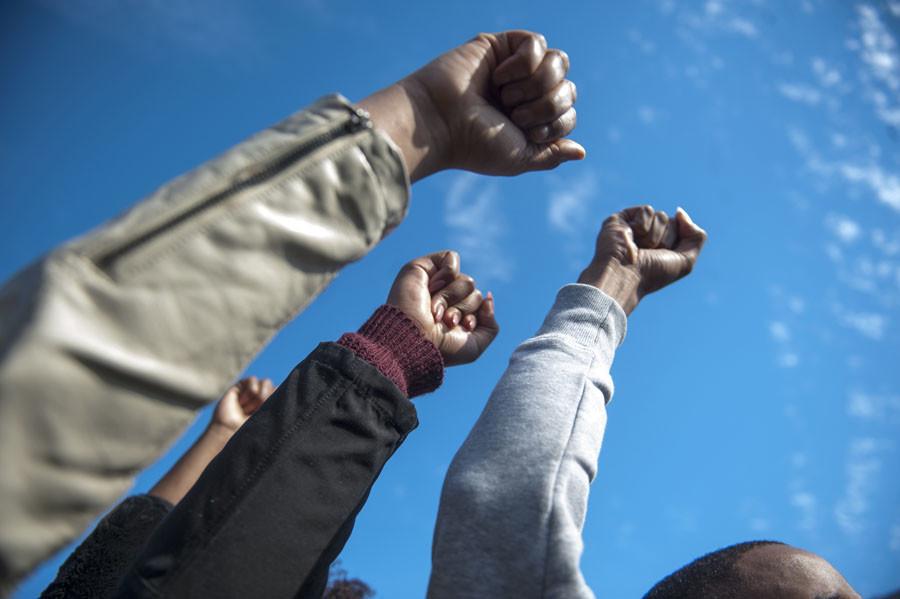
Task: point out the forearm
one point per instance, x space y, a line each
275 507
287 481
515 496
175 484
397 110
113 341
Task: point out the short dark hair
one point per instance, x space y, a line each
712 575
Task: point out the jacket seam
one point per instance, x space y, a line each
228 208
191 550
335 393
556 477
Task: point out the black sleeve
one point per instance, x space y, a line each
275 507
96 567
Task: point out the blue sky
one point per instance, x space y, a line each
759 398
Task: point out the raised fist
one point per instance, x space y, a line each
446 306
499 104
640 250
240 402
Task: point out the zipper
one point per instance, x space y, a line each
359 120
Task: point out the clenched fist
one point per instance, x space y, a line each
240 402
446 306
640 250
498 105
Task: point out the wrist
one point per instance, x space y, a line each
615 280
218 433
406 112
393 342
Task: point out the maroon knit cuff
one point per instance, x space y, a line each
391 341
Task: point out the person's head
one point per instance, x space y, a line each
757 570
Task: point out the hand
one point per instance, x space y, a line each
236 406
446 306
498 105
239 403
639 251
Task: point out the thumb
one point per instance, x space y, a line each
690 238
488 328
548 156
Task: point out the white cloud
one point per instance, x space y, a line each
828 76
788 360
806 503
799 92
743 27
868 324
880 75
886 186
844 228
796 304
862 471
760 524
867 406
570 201
779 331
647 114
878 47
644 45
475 220
888 247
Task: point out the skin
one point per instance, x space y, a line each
499 104
447 307
442 301
785 572
641 250
240 402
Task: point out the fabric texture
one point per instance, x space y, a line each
272 511
392 342
95 568
515 496
111 342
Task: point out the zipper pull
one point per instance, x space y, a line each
359 120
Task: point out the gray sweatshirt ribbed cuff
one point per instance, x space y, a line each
585 314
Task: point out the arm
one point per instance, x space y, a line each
98 564
111 342
515 496
240 402
276 506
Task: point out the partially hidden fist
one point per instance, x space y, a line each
444 302
641 250
240 402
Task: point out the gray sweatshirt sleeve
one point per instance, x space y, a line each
515 497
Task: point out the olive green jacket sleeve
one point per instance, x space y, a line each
109 344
